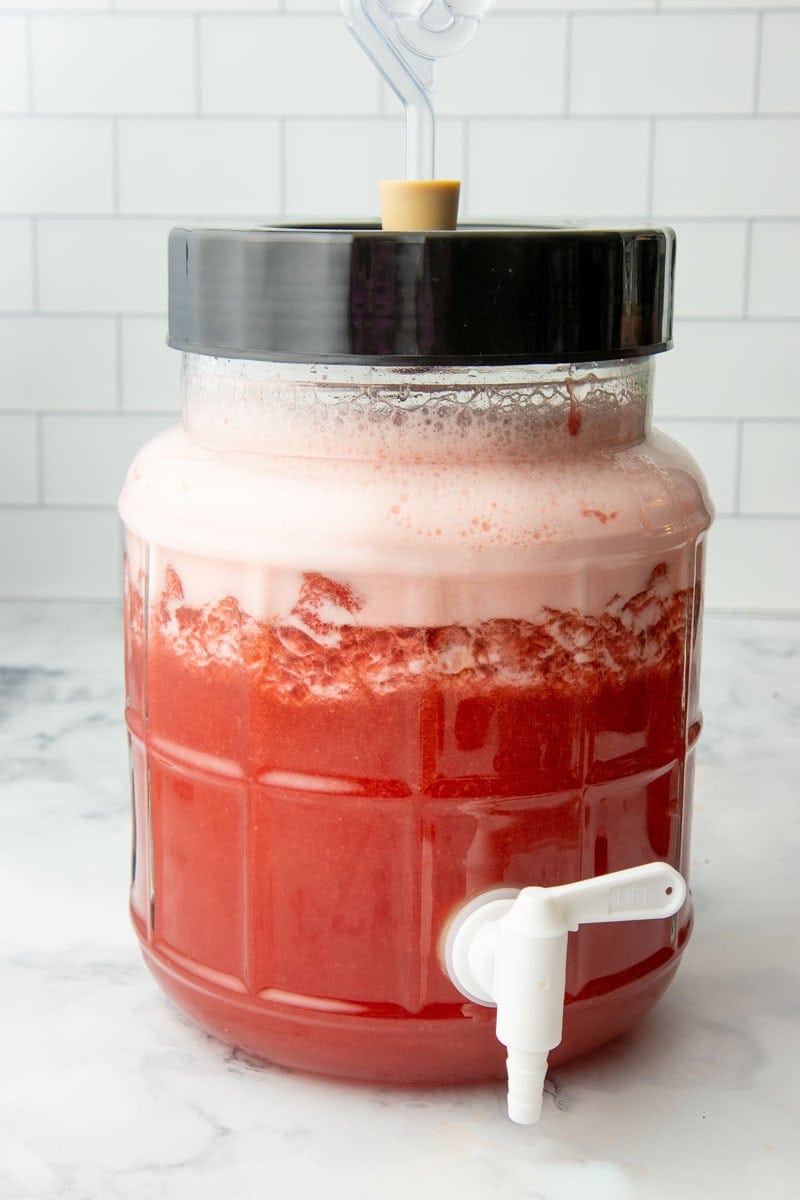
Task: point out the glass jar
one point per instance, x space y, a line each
397 633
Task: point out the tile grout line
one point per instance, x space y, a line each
650 182
34 228
120 552
758 51
118 360
465 171
672 418
282 161
198 64
105 601
115 180
737 475
29 61
515 117
697 419
109 506
532 14
729 318
567 97
151 414
748 266
89 314
39 431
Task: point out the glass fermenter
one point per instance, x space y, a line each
413 599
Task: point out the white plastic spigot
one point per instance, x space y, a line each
508 948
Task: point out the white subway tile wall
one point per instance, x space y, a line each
112 63
149 370
55 165
774 284
114 439
715 445
13 72
316 179
711 261
470 84
629 63
16 277
778 70
574 167
120 118
730 369
740 167
279 64
770 476
71 554
754 560
61 364
221 166
19 473
102 265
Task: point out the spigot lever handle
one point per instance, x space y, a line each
640 893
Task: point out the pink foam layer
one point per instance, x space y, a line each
422 543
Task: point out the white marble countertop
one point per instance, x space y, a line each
106 1091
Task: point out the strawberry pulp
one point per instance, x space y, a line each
315 797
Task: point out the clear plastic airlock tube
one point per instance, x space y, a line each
403 38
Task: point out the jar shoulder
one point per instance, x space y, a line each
465 513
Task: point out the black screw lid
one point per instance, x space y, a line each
470 296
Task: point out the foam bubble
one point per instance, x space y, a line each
440 499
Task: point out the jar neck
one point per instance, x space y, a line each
403 413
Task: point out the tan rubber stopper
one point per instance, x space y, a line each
414 205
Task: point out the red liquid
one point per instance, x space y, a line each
312 802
